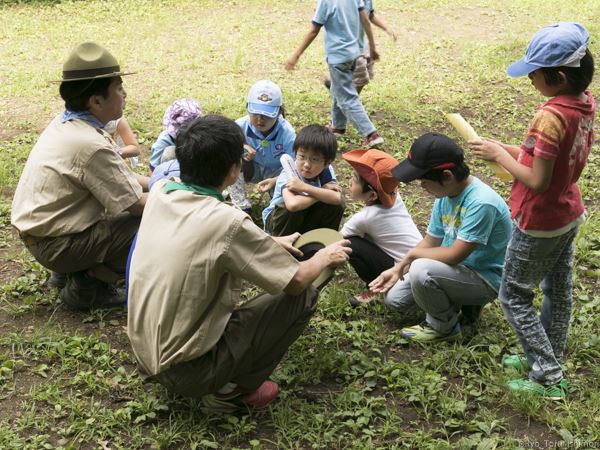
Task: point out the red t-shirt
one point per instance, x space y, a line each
563 130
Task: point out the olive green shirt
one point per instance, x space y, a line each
73 178
185 280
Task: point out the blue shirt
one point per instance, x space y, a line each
362 43
341 21
163 141
478 215
326 176
268 148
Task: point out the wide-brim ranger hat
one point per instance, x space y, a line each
89 61
557 45
431 151
313 241
375 167
264 98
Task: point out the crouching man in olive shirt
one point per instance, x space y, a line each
185 278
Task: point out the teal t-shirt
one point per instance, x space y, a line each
341 21
478 215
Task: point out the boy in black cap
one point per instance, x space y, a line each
459 261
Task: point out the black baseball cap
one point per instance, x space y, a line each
429 151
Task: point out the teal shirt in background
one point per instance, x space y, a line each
478 215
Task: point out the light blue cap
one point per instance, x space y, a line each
556 45
264 98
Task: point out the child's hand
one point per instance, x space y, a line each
249 153
374 54
296 185
385 281
266 185
392 34
333 187
486 149
290 64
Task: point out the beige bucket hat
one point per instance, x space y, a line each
313 241
88 61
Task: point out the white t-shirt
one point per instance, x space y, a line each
390 229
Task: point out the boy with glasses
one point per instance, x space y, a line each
313 200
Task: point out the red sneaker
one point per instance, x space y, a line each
260 398
362 298
373 140
337 132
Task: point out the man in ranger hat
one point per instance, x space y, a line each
77 206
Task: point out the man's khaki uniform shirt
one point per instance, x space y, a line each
73 178
191 255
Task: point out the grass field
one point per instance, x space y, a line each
68 380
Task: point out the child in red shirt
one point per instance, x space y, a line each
545 202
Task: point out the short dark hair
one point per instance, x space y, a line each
579 78
366 187
460 171
207 148
77 93
318 139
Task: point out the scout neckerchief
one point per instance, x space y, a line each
171 186
81 115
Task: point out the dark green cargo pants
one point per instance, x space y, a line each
256 337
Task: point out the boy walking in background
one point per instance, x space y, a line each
342 20
364 70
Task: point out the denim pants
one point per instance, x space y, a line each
440 290
346 104
529 262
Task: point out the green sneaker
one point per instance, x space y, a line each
516 362
556 391
425 334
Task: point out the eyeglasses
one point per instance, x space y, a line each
304 158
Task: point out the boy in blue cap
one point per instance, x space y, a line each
341 20
545 202
267 136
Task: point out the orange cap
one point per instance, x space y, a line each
375 167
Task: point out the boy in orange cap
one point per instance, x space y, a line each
383 231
